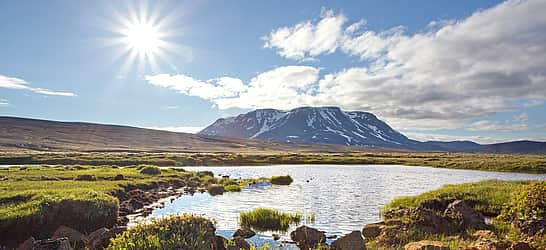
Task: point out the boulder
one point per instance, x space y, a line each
27 244
370 231
520 246
351 241
488 245
76 238
276 236
100 238
244 233
426 245
390 237
307 237
530 227
220 243
464 216
52 244
428 221
238 243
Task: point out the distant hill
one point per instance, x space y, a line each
31 134
331 125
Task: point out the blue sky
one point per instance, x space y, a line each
432 69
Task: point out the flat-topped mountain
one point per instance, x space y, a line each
331 125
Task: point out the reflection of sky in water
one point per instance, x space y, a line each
343 198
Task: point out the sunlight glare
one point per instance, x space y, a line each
142 37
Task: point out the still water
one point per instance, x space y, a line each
342 197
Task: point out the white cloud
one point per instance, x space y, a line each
16 83
308 38
458 70
497 126
4 102
182 129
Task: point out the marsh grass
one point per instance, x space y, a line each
489 196
175 232
266 219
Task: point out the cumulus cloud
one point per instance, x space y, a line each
457 70
16 83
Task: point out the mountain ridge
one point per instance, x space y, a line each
331 125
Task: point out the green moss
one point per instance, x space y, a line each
281 180
175 232
265 219
150 170
233 188
527 203
216 189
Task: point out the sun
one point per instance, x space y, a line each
142 37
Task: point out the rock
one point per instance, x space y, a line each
426 245
428 221
220 243
276 237
464 216
238 243
136 204
485 234
530 227
520 246
119 177
27 244
488 245
52 244
389 236
351 241
370 231
244 233
100 238
76 238
307 237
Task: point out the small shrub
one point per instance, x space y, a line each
150 170
85 177
266 219
281 180
227 182
175 232
232 188
216 189
528 203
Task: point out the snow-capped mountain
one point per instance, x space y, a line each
328 125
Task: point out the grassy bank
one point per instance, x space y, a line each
488 162
266 219
504 201
37 199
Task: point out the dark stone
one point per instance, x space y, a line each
220 243
307 237
244 233
52 244
464 216
352 241
119 177
27 244
76 238
530 227
370 231
520 246
100 238
276 237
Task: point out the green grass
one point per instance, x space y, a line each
175 232
266 219
490 195
232 188
487 162
150 170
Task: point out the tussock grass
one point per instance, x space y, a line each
281 180
490 196
266 219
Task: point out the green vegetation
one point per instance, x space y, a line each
281 180
150 170
232 188
216 189
175 232
529 203
265 219
488 162
489 196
